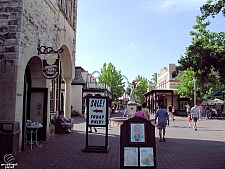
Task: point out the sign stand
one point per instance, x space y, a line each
137 144
97 116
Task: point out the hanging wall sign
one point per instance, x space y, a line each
50 63
97 112
50 68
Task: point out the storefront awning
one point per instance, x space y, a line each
218 93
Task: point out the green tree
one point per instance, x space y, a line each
206 54
186 89
213 7
113 78
186 79
128 90
140 89
153 82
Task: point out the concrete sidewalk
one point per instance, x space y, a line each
184 148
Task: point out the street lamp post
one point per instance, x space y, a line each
195 102
194 79
223 94
223 103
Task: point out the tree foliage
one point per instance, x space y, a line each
128 90
153 82
113 78
140 89
186 89
206 55
206 52
187 83
213 7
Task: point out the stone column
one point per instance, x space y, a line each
67 98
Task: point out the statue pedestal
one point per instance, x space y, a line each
131 109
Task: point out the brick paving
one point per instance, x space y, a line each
184 148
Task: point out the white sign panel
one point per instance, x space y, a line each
97 111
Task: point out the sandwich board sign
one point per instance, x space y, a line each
96 116
97 111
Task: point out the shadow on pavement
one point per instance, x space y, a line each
65 151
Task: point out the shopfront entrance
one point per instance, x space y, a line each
34 99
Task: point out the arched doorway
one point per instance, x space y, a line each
35 98
42 96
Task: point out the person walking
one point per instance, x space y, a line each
90 127
140 113
189 120
188 109
173 112
200 111
109 113
207 112
170 109
144 109
194 115
125 111
161 116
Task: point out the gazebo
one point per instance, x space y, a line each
213 102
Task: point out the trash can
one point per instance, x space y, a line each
9 141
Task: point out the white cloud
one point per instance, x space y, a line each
165 6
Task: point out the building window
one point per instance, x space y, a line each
183 104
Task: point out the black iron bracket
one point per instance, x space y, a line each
48 50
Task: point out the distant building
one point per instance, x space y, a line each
85 84
165 79
164 92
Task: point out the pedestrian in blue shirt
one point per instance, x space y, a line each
162 117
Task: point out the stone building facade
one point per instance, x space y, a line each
24 92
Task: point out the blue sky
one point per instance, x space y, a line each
139 37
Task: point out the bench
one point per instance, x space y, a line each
58 127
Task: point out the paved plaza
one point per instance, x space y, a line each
184 148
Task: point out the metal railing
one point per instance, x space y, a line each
98 86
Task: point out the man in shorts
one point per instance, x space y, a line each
194 115
162 117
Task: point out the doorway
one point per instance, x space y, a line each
38 109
